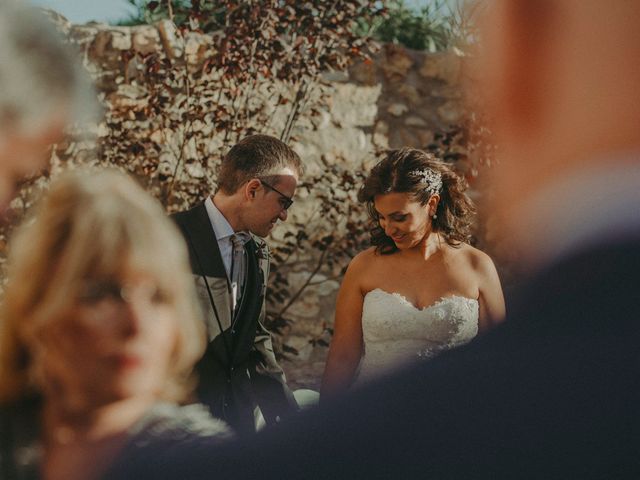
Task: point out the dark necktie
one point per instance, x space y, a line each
238 267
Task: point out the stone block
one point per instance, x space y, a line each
450 112
381 127
302 345
305 307
397 109
99 45
446 66
449 92
425 137
336 77
146 40
403 137
397 62
415 121
355 105
410 94
121 40
364 73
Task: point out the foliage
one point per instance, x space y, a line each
148 12
436 26
234 68
261 71
177 109
466 145
241 83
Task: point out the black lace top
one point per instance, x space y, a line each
164 424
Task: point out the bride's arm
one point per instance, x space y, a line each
346 345
491 298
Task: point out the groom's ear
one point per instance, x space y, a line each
251 188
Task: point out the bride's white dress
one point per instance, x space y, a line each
396 332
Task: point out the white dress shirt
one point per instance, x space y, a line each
224 233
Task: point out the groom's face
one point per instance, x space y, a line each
271 201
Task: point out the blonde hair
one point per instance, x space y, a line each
92 225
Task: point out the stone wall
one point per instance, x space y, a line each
399 99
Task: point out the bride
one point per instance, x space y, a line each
421 288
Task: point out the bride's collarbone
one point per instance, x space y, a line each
407 271
422 288
421 302
419 281
412 278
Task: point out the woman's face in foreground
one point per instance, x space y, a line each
116 341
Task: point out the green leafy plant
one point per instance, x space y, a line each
437 25
148 12
434 26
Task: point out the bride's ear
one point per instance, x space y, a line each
432 205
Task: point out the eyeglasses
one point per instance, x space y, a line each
285 201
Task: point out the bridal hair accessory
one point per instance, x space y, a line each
431 179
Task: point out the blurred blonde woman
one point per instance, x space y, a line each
99 333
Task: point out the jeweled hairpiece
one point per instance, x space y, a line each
430 178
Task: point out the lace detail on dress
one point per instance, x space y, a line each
396 332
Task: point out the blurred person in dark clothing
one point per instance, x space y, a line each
553 391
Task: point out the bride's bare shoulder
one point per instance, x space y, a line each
475 258
365 260
365 270
367 255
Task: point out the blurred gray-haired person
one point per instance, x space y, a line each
42 90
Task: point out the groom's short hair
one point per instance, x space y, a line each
255 156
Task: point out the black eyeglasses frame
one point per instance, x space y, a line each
287 201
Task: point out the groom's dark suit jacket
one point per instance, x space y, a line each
239 368
554 392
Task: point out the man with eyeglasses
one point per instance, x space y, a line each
256 183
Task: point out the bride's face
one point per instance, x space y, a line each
403 219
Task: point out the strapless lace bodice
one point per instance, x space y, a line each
396 333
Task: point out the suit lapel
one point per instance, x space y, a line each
206 260
203 245
211 276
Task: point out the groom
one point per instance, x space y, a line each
256 183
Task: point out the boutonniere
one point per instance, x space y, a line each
262 251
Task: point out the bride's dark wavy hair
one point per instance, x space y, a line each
394 174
